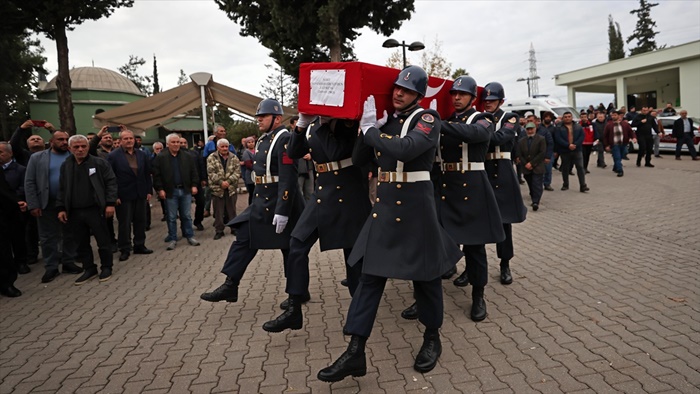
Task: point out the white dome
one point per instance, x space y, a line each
96 78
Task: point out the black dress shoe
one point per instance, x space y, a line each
506 277
227 292
304 299
478 312
649 165
344 282
535 206
49 275
450 273
218 236
584 189
142 250
521 181
10 291
87 275
124 255
199 227
564 188
621 173
462 280
639 164
105 274
549 188
23 269
71 268
410 313
428 355
291 318
351 363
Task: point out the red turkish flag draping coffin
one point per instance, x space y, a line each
339 90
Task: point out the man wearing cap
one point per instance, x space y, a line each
531 154
402 237
335 214
268 222
499 168
568 140
546 130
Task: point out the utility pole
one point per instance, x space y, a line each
533 73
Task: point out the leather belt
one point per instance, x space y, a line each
333 165
497 156
408 177
475 166
266 179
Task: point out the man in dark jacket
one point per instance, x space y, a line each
531 154
568 142
546 130
683 132
644 124
598 132
14 175
10 212
86 196
132 167
175 179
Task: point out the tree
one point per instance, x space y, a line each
314 30
280 87
458 73
434 63
22 63
182 78
130 70
644 31
156 85
54 18
616 50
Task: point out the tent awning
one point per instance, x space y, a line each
156 110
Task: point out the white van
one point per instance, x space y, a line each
539 105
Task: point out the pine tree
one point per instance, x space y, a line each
616 50
644 31
156 85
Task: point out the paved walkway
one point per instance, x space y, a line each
605 299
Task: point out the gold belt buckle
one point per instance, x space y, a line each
450 166
258 180
384 176
323 167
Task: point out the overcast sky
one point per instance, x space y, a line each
490 39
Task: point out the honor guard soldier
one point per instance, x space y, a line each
268 222
335 214
466 204
499 168
402 237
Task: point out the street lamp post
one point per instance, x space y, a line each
528 79
414 46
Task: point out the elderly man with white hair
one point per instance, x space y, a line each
224 170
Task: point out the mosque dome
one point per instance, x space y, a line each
97 79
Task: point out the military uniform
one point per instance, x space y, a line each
503 179
338 207
276 192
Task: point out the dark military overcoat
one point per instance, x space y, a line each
339 205
467 205
502 176
281 198
402 238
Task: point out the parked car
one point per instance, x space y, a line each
668 142
538 105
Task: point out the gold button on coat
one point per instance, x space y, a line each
398 220
318 201
374 215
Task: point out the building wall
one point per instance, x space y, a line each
690 87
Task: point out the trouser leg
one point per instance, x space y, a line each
230 205
32 237
77 235
587 149
50 237
98 226
240 254
8 267
601 155
476 264
125 215
364 305
566 160
429 301
580 171
199 206
536 189
251 189
548 173
352 273
298 264
139 221
504 249
656 144
217 204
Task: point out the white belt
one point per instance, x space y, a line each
333 165
408 177
266 179
474 166
498 155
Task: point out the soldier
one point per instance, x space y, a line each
402 237
269 220
499 168
335 213
466 204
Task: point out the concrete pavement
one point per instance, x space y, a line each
605 299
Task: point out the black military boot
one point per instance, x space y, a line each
450 273
290 318
478 312
227 292
506 277
410 313
430 351
351 363
303 300
462 280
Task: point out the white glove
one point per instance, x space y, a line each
304 120
433 105
369 115
281 222
382 121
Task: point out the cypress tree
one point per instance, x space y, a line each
644 31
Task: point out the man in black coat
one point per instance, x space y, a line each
568 142
87 195
531 154
598 134
402 237
335 213
499 168
683 132
644 124
10 212
267 223
547 129
14 175
199 199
